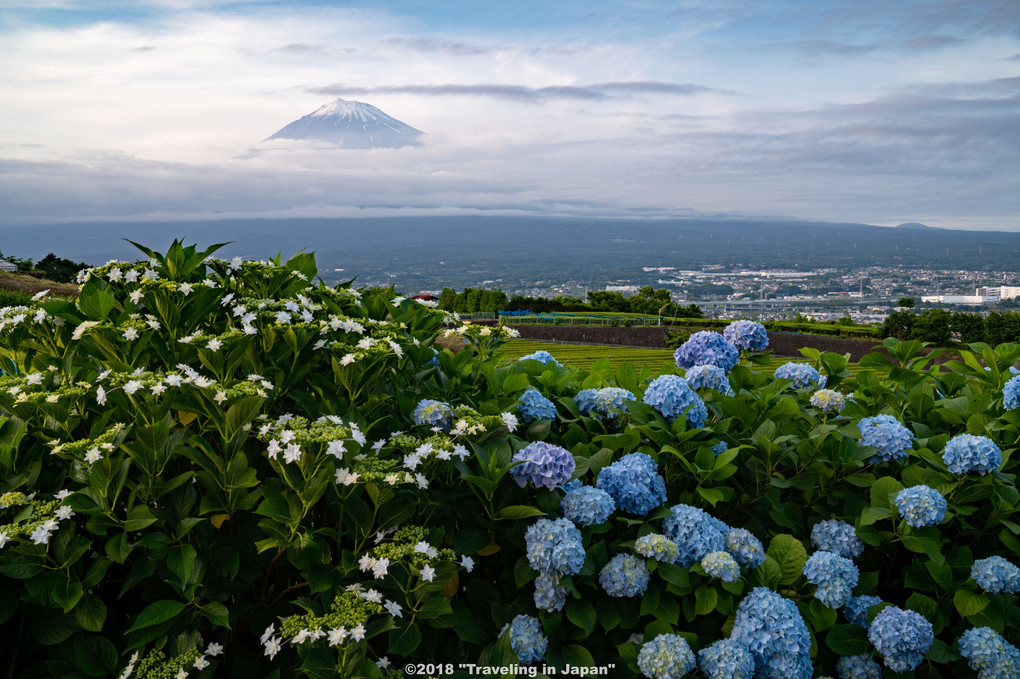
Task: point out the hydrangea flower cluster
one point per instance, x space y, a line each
707 348
667 656
888 435
433 414
555 547
533 406
1011 394
634 484
828 400
967 453
801 374
771 628
695 533
543 357
658 547
603 402
708 377
672 397
921 506
996 575
544 465
527 639
858 667
747 335
838 537
901 638
720 448
624 575
856 609
726 659
990 654
745 548
549 596
587 506
835 576
721 565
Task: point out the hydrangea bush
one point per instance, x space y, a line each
219 467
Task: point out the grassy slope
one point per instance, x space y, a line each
30 285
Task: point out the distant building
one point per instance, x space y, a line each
7 266
955 299
1003 292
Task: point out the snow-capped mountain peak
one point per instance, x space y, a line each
351 124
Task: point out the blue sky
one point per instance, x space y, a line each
867 111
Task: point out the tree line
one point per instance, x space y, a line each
940 326
646 301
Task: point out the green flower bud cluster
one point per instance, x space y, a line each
105 442
13 499
410 442
34 514
306 433
348 611
155 665
409 544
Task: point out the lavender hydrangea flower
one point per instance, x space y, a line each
921 506
721 565
708 377
967 453
1011 394
533 406
772 630
624 576
828 400
858 667
801 374
695 533
726 659
433 413
901 638
527 639
747 335
549 596
672 396
707 348
996 575
544 465
745 548
634 484
988 653
838 537
856 609
658 547
543 357
605 402
667 656
587 506
888 435
835 576
555 547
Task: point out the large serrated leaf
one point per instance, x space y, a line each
789 553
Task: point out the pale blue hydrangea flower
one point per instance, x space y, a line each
838 537
433 414
1011 393
624 576
544 465
828 400
555 547
858 667
667 656
695 533
967 453
921 506
772 630
656 546
989 654
527 639
533 406
901 638
549 596
720 448
721 565
587 506
673 397
708 377
707 348
747 335
726 659
634 483
835 576
856 609
996 575
801 374
744 547
543 357
604 402
887 435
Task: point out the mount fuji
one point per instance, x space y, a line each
352 125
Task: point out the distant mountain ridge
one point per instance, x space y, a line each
914 226
352 125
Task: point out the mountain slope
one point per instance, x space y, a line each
353 125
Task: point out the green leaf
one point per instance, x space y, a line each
768 573
181 561
578 656
870 515
789 553
404 640
156 613
434 608
217 613
519 512
883 491
90 613
968 603
705 599
848 640
581 612
96 655
49 630
138 518
67 594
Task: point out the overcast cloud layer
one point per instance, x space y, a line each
857 110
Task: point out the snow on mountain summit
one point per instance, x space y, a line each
353 125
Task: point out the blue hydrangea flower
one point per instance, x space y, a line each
744 547
543 357
587 506
967 453
544 465
707 348
772 630
1011 393
720 448
838 537
721 565
747 335
828 400
672 396
835 576
921 506
667 656
726 659
996 575
624 575
634 484
888 435
801 374
658 547
533 406
605 402
549 596
708 377
990 654
901 638
856 609
858 667
695 533
433 414
527 639
554 547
